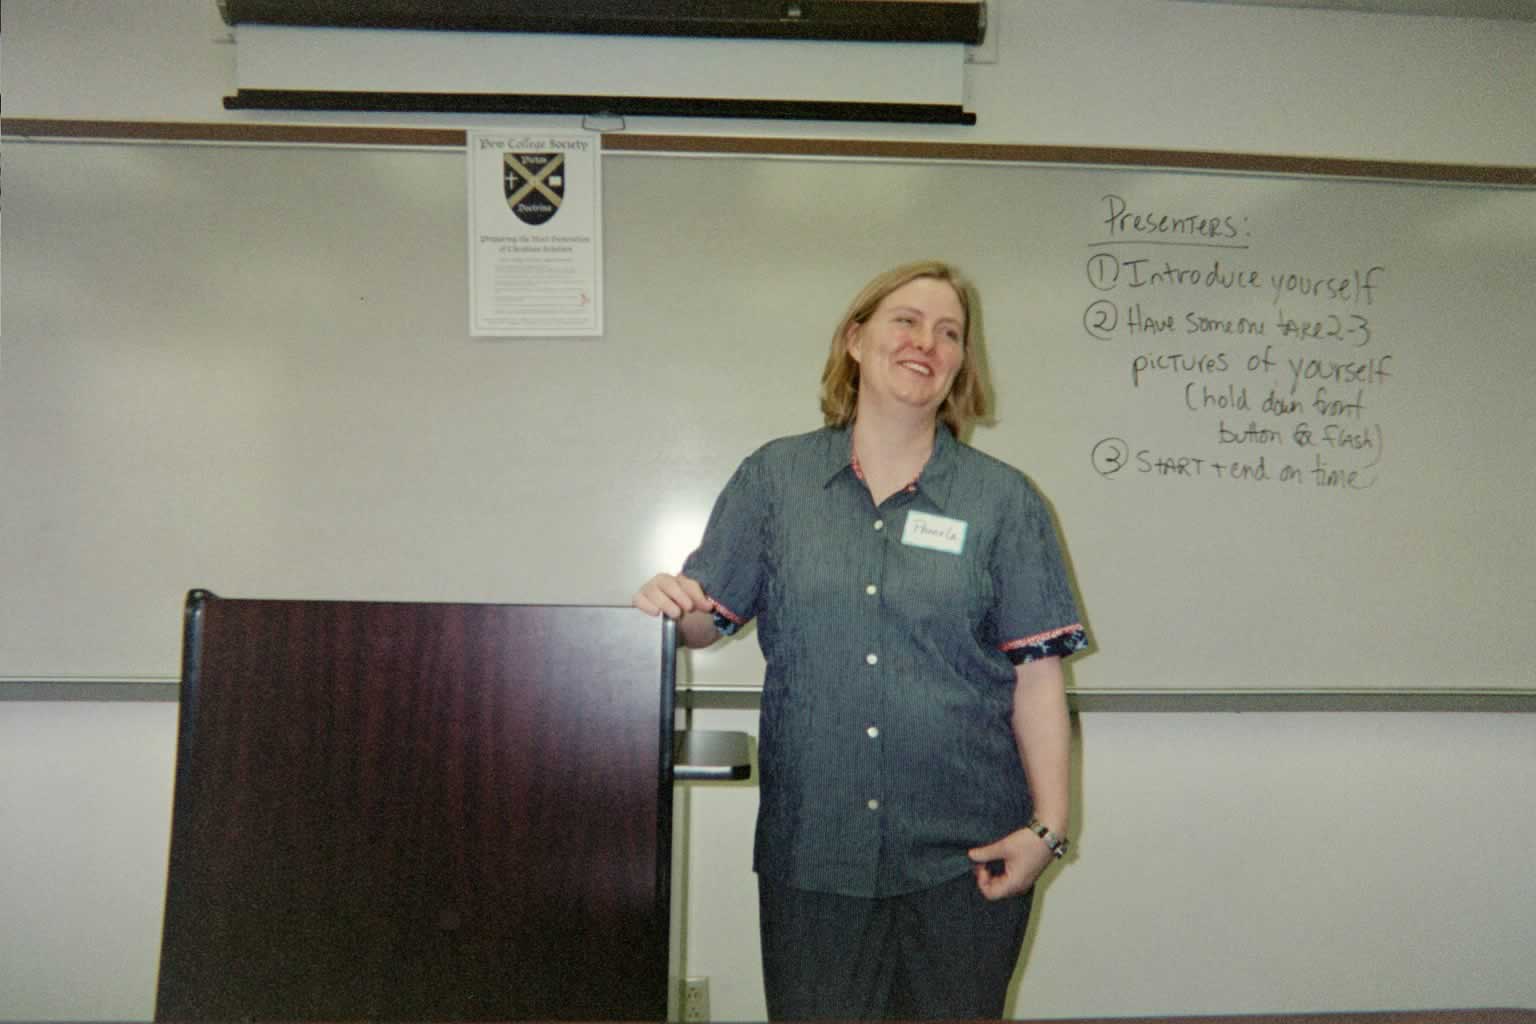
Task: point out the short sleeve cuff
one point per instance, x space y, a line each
726 621
1056 643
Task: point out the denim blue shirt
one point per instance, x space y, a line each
886 748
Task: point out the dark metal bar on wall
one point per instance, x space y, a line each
917 21
623 106
704 697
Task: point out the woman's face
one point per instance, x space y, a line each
912 345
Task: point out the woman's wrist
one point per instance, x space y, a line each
1055 841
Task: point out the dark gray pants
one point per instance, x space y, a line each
940 953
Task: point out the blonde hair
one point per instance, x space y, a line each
968 401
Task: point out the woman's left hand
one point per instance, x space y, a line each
1024 858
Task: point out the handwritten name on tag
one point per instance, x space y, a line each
937 533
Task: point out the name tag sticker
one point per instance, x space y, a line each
937 533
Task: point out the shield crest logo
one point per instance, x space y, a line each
534 184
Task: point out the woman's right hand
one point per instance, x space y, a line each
672 596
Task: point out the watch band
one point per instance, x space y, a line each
1054 841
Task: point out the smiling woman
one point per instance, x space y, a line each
911 347
913 612
965 402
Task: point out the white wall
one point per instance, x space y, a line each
1236 863
85 828
1227 862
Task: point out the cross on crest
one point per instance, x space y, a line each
534 184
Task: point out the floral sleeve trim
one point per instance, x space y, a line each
726 621
1056 643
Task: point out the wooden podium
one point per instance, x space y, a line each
420 811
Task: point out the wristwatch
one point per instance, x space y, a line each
1054 841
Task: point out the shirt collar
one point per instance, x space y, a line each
934 480
938 475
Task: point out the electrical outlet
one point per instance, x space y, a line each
696 999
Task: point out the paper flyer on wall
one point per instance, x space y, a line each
535 234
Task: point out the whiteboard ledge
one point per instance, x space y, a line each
127 689
1228 700
1238 700
722 696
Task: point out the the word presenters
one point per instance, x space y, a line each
1250 360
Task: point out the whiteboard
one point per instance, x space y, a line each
248 369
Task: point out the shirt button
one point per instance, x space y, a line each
873 805
873 731
879 524
871 589
871 658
